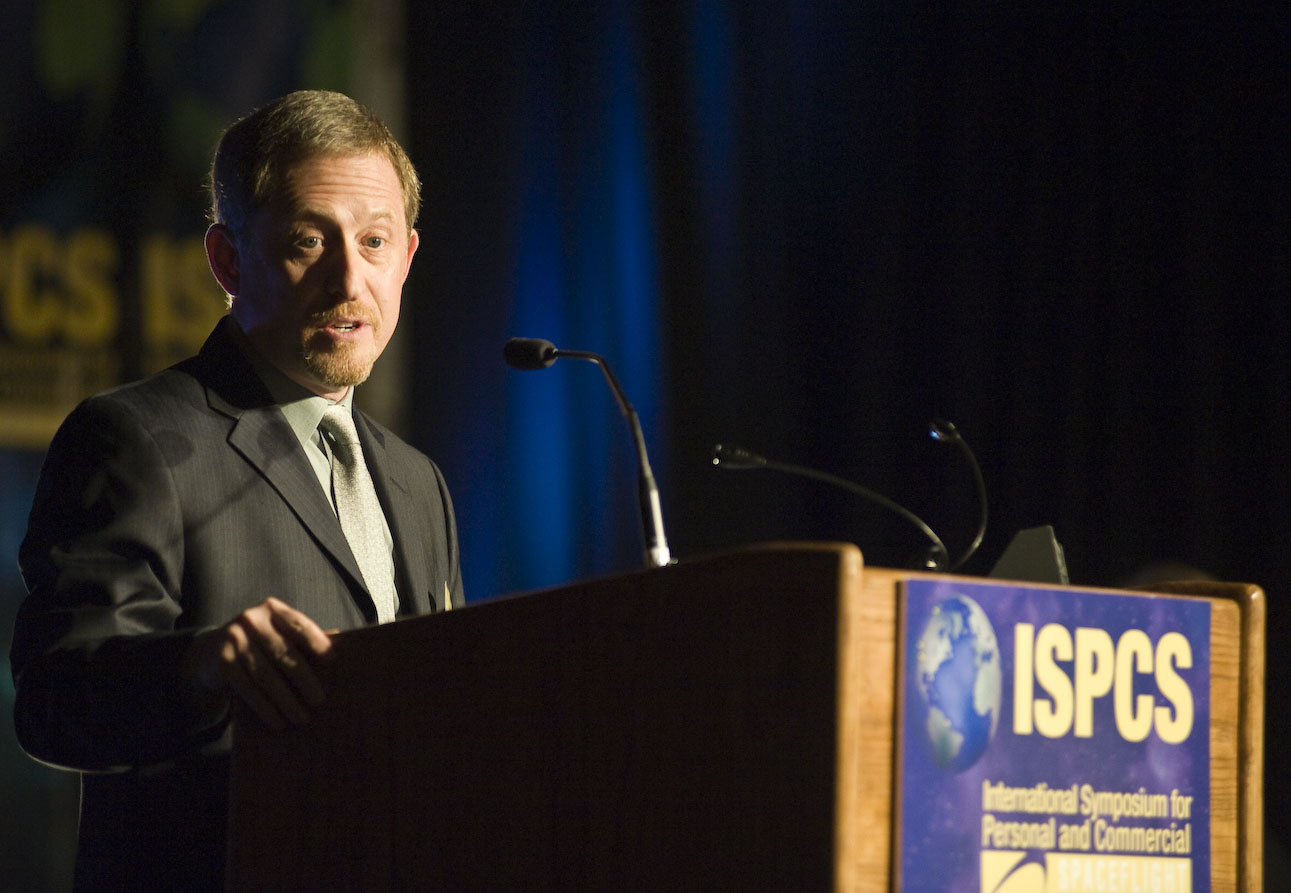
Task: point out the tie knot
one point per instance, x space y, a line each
339 423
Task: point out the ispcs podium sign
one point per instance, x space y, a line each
1053 741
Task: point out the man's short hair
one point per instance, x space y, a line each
255 153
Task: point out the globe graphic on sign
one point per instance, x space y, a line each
957 668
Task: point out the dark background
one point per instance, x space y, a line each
1061 228
810 228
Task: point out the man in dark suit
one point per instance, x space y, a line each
184 549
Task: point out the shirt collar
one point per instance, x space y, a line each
302 408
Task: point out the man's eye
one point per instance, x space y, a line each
308 242
375 241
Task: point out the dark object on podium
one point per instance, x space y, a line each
1033 556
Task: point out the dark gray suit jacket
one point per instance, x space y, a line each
165 507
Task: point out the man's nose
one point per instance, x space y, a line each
343 280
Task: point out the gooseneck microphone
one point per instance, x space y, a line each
538 353
946 432
529 353
737 458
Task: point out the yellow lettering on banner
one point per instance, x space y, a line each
58 288
180 299
91 262
1023 690
1019 835
1075 837
1173 650
1048 700
1082 873
1093 675
30 303
1133 713
1053 718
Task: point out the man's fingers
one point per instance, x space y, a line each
296 642
266 656
288 664
299 629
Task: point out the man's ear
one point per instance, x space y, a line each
222 255
414 239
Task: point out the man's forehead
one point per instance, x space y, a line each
280 175
371 176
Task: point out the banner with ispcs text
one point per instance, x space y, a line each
77 315
1053 741
109 117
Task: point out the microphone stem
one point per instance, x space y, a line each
624 406
943 555
944 431
656 543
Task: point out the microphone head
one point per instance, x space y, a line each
943 430
529 353
736 458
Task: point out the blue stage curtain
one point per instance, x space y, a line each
546 478
823 224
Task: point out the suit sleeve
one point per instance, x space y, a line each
96 654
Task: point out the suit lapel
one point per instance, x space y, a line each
412 574
264 439
262 436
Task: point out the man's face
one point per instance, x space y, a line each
320 273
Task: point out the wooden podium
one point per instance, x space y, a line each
721 723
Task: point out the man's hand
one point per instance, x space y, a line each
266 656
